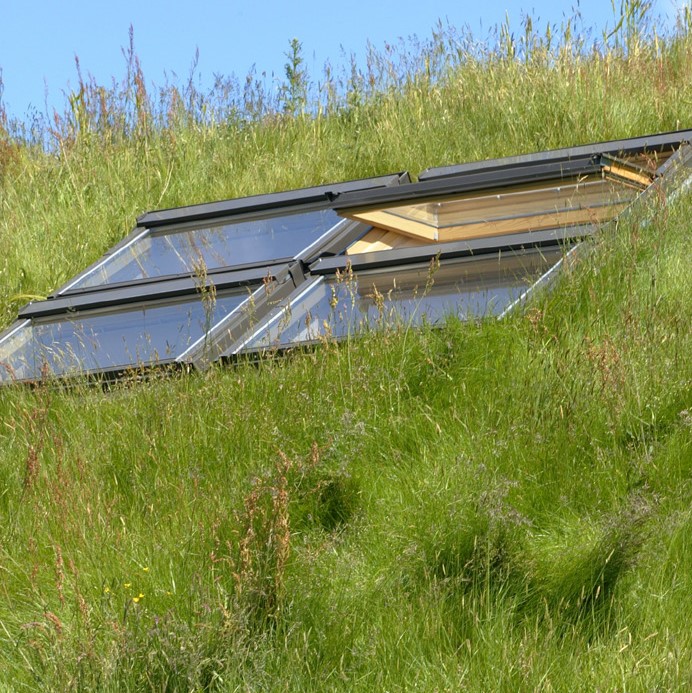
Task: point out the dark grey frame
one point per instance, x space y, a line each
627 146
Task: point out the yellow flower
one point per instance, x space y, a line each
136 599
127 585
106 590
146 569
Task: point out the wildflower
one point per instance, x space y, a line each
127 585
136 599
146 569
106 590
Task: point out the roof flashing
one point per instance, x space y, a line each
321 196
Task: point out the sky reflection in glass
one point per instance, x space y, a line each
198 250
339 306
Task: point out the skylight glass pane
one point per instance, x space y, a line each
336 307
13 350
130 337
587 194
191 251
518 209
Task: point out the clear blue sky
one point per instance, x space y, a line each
39 39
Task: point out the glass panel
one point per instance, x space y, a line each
530 207
139 335
338 306
16 354
159 254
509 205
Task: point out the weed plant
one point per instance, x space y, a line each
495 505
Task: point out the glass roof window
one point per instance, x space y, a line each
340 305
521 209
195 284
106 340
158 253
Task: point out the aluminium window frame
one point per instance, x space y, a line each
107 373
229 211
261 295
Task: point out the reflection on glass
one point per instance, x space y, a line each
16 354
338 306
158 254
518 209
470 209
130 337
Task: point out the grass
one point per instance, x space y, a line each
490 506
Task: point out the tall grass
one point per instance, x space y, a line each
494 505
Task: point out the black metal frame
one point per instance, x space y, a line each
319 197
139 291
447 251
229 330
631 145
469 182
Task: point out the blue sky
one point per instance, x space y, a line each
39 39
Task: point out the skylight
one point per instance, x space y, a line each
197 284
344 303
169 252
105 340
